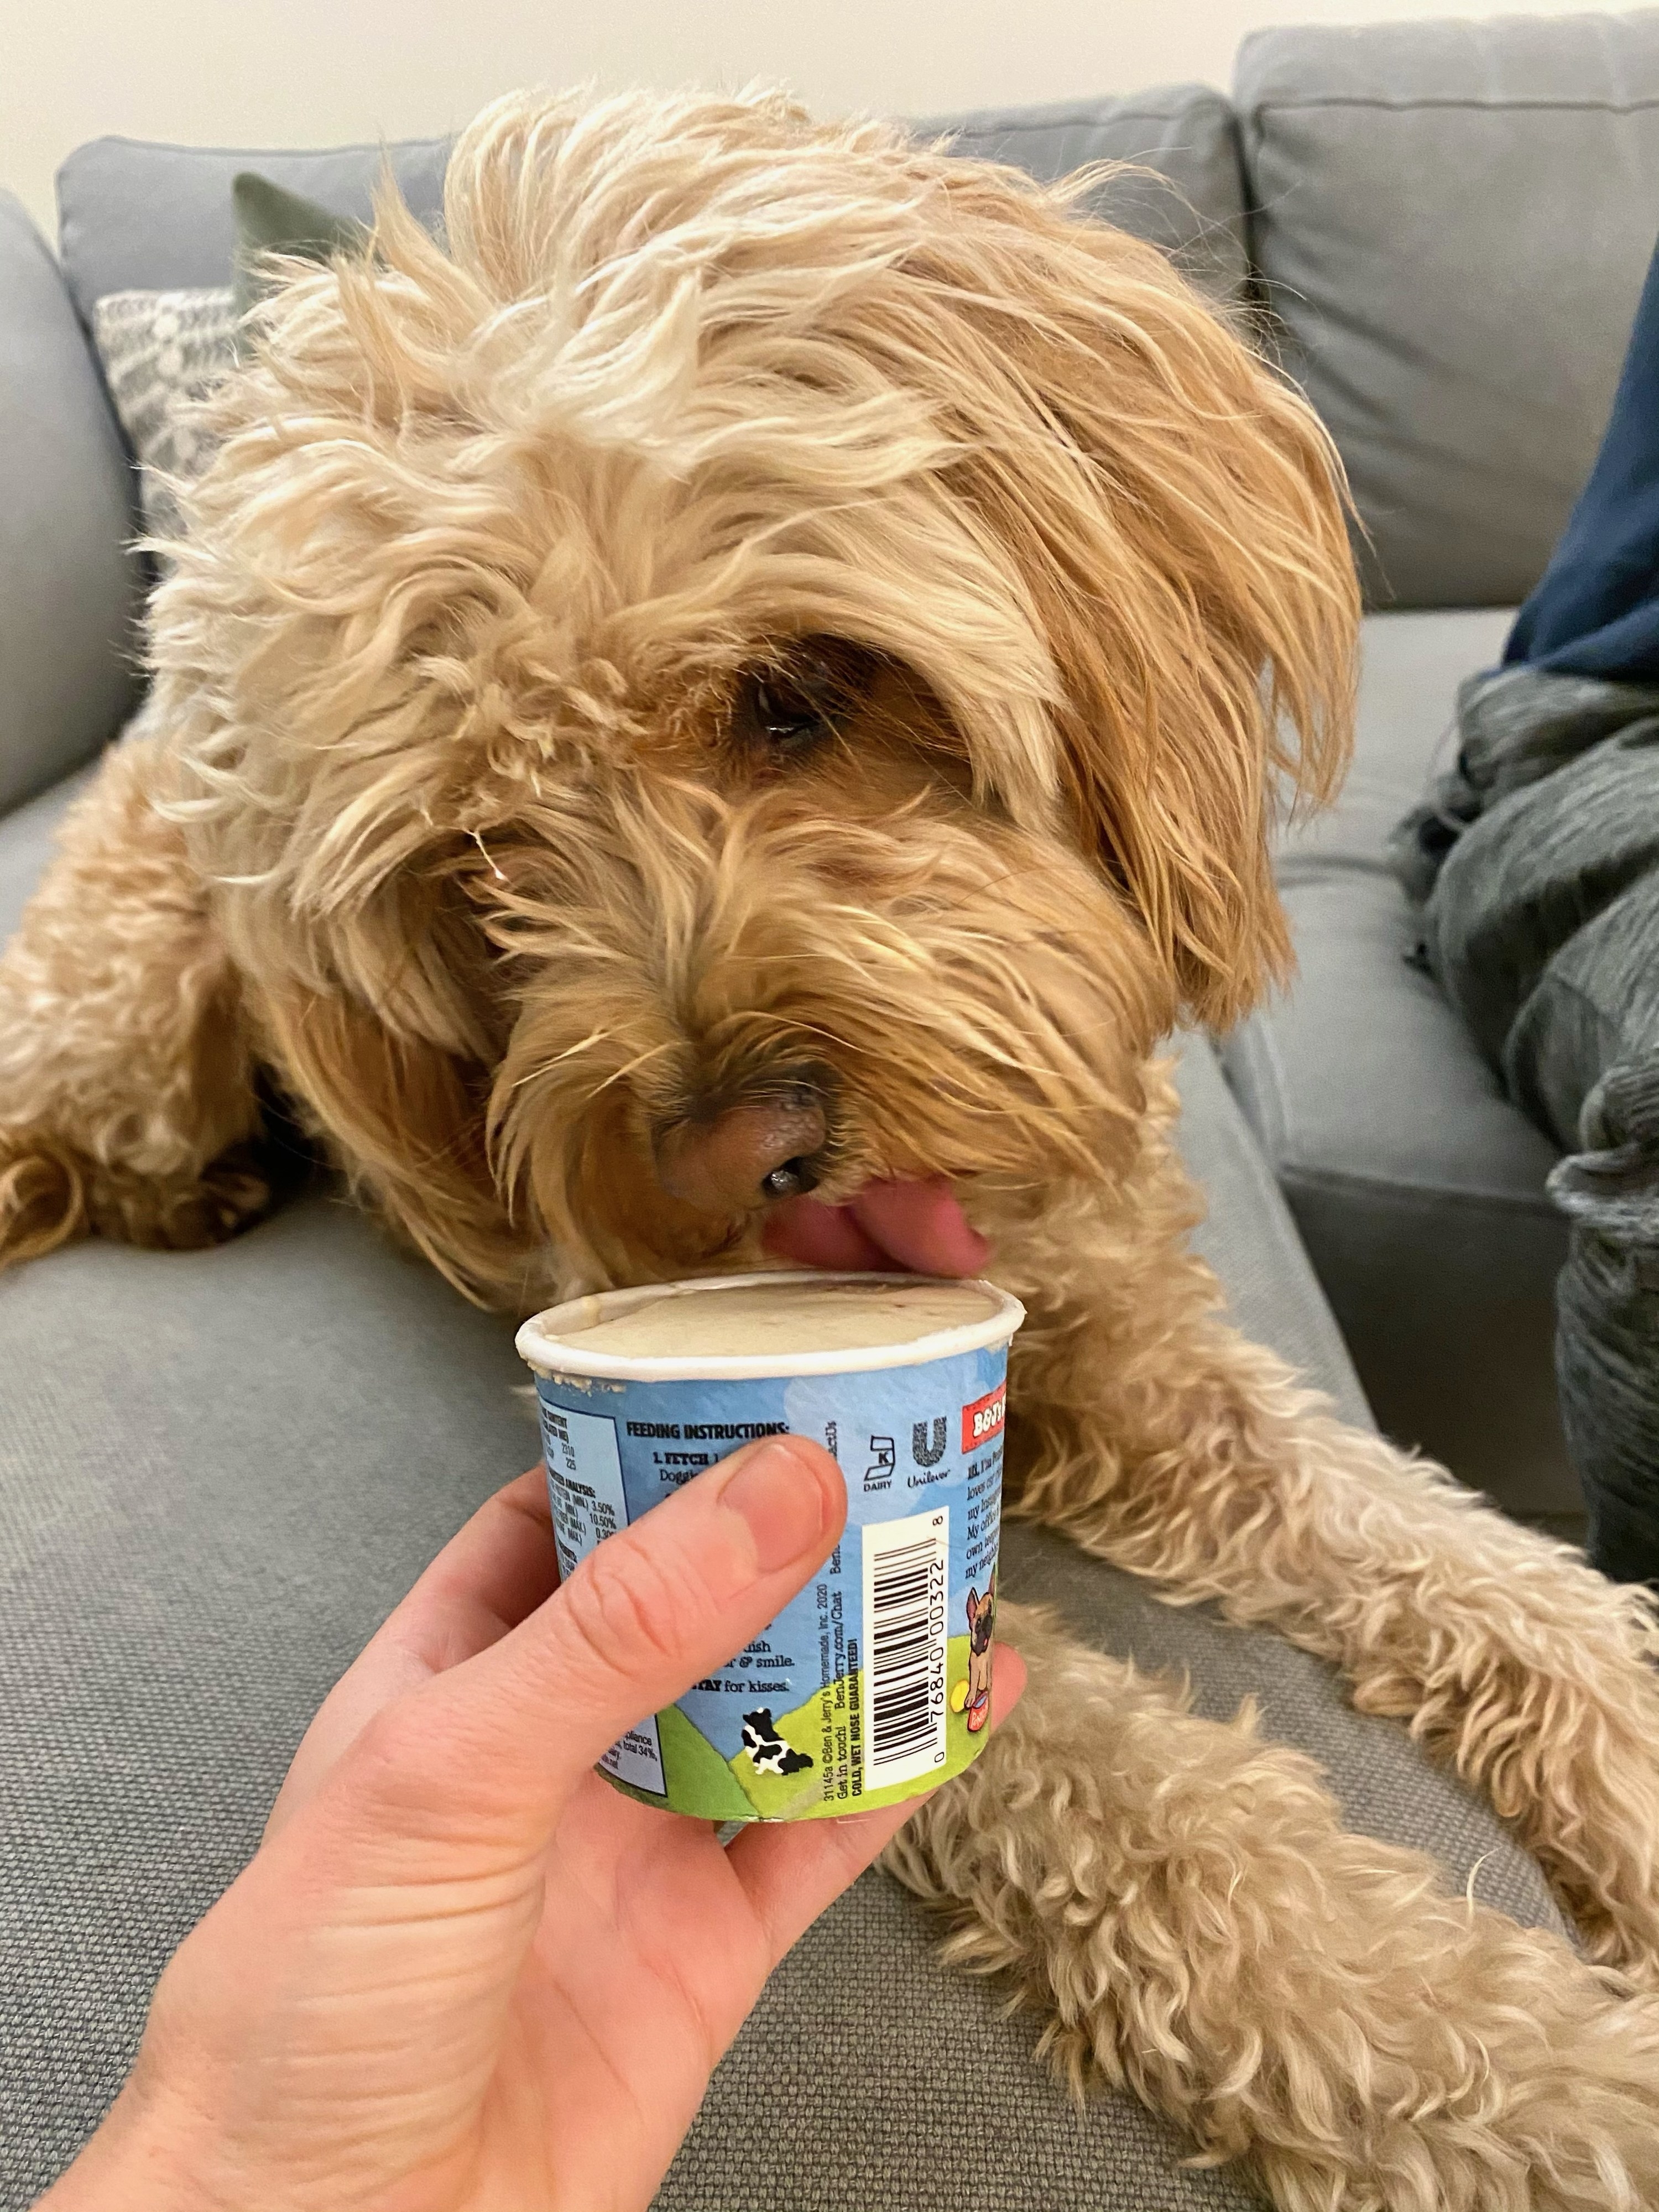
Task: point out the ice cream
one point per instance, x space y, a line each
784 1316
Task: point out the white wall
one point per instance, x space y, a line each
320 72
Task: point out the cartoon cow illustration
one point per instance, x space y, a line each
767 1752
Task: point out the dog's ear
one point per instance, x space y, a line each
1178 519
409 1119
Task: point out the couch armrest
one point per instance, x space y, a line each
69 590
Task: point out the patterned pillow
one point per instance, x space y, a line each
162 352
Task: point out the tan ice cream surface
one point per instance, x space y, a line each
784 1317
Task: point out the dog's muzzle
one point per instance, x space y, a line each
745 1155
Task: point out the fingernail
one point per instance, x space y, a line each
780 1494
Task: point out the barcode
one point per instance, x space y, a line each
907 1567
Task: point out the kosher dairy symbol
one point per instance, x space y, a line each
927 1451
883 1454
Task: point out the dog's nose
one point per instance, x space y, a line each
751 1152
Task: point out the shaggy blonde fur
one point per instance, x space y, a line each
461 825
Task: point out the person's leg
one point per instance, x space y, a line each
1607 1304
1571 1017
1537 860
1594 611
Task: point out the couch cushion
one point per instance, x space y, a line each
1192 206
1453 220
1417 1187
1418 1191
68 589
134 216
219 1470
1272 1293
1413 665
26 836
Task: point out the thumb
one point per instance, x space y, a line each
505 1737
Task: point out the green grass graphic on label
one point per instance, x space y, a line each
825 1726
699 1779
789 1797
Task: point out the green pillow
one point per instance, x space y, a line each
271 220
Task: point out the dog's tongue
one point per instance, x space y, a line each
918 1226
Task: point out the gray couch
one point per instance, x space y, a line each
217 1471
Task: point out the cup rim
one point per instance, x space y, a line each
547 1353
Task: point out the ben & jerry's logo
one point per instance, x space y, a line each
983 1418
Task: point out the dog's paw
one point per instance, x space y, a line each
50 1194
42 1196
181 1214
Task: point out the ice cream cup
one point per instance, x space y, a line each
874 1683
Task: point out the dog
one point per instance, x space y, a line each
760 672
981 1625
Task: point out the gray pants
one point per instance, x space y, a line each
1538 862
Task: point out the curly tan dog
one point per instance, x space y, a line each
764 667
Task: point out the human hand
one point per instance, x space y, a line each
461 1970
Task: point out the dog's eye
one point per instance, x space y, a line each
787 710
787 715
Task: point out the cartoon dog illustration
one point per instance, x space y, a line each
981 1619
767 1752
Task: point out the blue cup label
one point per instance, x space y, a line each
874 1683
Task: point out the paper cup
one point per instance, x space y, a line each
873 1684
